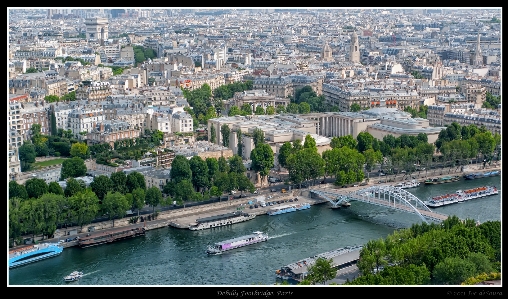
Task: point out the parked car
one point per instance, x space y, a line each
296 198
290 200
355 185
251 207
322 182
273 190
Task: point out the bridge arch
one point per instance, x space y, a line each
385 196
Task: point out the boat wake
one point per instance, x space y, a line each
90 273
279 236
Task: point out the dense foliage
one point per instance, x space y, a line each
446 253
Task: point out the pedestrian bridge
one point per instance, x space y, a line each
384 196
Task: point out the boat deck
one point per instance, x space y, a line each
341 256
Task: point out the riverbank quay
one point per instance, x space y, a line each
421 176
180 218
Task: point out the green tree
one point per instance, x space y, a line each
223 164
55 188
236 165
184 191
213 168
234 111
119 180
153 197
453 270
138 199
244 184
293 108
258 136
212 134
280 109
36 187
321 271
262 160
115 205
225 131
101 185
15 216
214 191
270 110
246 109
180 169
31 70
79 149
73 167
348 140
239 144
355 107
85 205
17 190
285 150
303 108
53 127
259 110
371 158
135 180
364 141
51 98
26 155
199 170
72 187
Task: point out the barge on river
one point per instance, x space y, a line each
442 180
110 236
220 247
341 259
33 253
461 196
221 220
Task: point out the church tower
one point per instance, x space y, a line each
326 53
354 50
478 58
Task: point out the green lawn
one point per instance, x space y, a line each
49 163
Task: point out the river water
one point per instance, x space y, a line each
170 256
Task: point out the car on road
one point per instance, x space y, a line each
355 185
382 174
273 190
251 207
363 184
322 182
381 182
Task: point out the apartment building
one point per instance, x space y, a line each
255 98
93 90
84 120
110 131
369 98
181 121
490 119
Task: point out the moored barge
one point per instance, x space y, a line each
110 236
341 258
221 220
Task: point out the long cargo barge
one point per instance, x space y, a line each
221 220
110 236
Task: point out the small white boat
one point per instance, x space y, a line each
76 275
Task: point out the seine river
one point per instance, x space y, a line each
170 256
